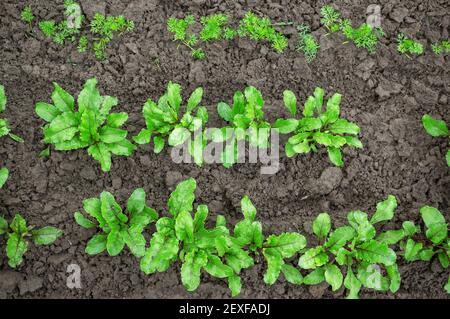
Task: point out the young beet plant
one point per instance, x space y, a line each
217 251
4 123
246 123
17 234
356 248
166 119
117 229
436 128
91 126
318 126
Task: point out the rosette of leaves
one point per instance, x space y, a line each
436 242
318 126
436 128
331 18
18 234
166 119
365 36
356 248
4 174
179 28
117 228
246 122
222 254
260 29
92 126
409 46
4 123
441 47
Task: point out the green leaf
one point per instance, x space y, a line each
315 277
174 96
46 235
333 276
391 237
443 259
184 226
359 221
136 202
274 264
286 126
122 148
353 142
45 152
322 225
426 254
309 107
313 258
4 173
116 120
318 97
333 110
370 276
375 252
292 274
447 157
93 207
385 210
234 283
447 286
112 135
412 250
89 97
195 99
46 111
310 124
409 228
225 111
62 100
182 198
190 270
114 242
434 127
158 143
335 156
3 226
342 126
16 138
143 137
216 268
96 245
431 216
161 253
353 284
395 278
135 242
19 225
111 210
101 153
179 136
62 128
339 237
3 98
437 233
248 209
200 217
290 101
288 244
16 247
83 221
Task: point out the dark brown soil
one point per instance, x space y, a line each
386 94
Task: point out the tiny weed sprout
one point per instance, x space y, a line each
166 119
441 48
246 121
318 127
436 128
17 234
213 27
179 28
307 44
117 229
217 251
104 28
331 18
4 123
365 36
409 46
436 242
92 126
355 247
259 29
4 174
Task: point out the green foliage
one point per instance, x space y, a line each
307 44
4 123
117 229
17 234
442 47
104 27
4 173
213 27
436 243
83 43
246 122
365 36
179 28
217 251
356 248
318 126
166 119
409 46
331 18
48 28
92 126
436 128
27 15
259 29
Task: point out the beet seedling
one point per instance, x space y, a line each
166 120
4 173
246 119
4 123
92 126
17 234
355 247
436 128
409 46
117 229
318 127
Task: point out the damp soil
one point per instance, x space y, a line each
385 93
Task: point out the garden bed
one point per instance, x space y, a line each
386 94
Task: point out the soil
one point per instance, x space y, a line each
385 93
